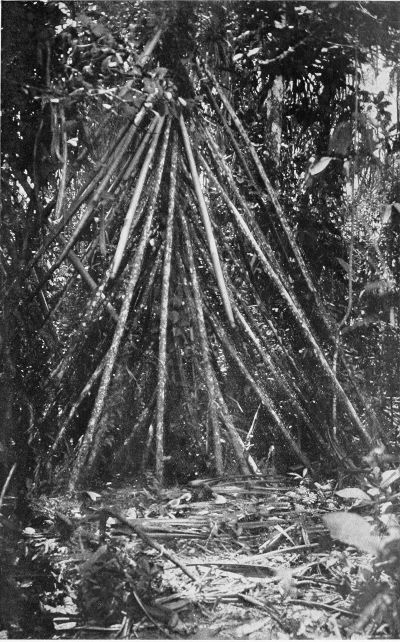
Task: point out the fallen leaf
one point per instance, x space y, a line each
353 530
353 493
389 477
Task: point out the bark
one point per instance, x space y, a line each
131 165
162 353
290 388
92 308
140 254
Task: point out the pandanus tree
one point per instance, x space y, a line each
173 342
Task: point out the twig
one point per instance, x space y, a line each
273 613
288 549
6 483
145 611
109 629
321 605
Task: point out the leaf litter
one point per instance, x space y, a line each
262 557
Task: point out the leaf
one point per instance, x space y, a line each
245 630
341 139
149 86
353 493
253 52
161 72
396 206
83 19
220 499
94 497
29 531
386 214
389 477
353 530
320 165
64 626
344 264
98 29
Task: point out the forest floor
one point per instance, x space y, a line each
239 558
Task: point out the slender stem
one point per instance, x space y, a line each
272 269
63 181
83 394
91 207
207 223
143 144
102 170
124 234
7 483
111 358
258 388
291 239
119 331
204 348
162 352
233 140
351 248
245 461
270 190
